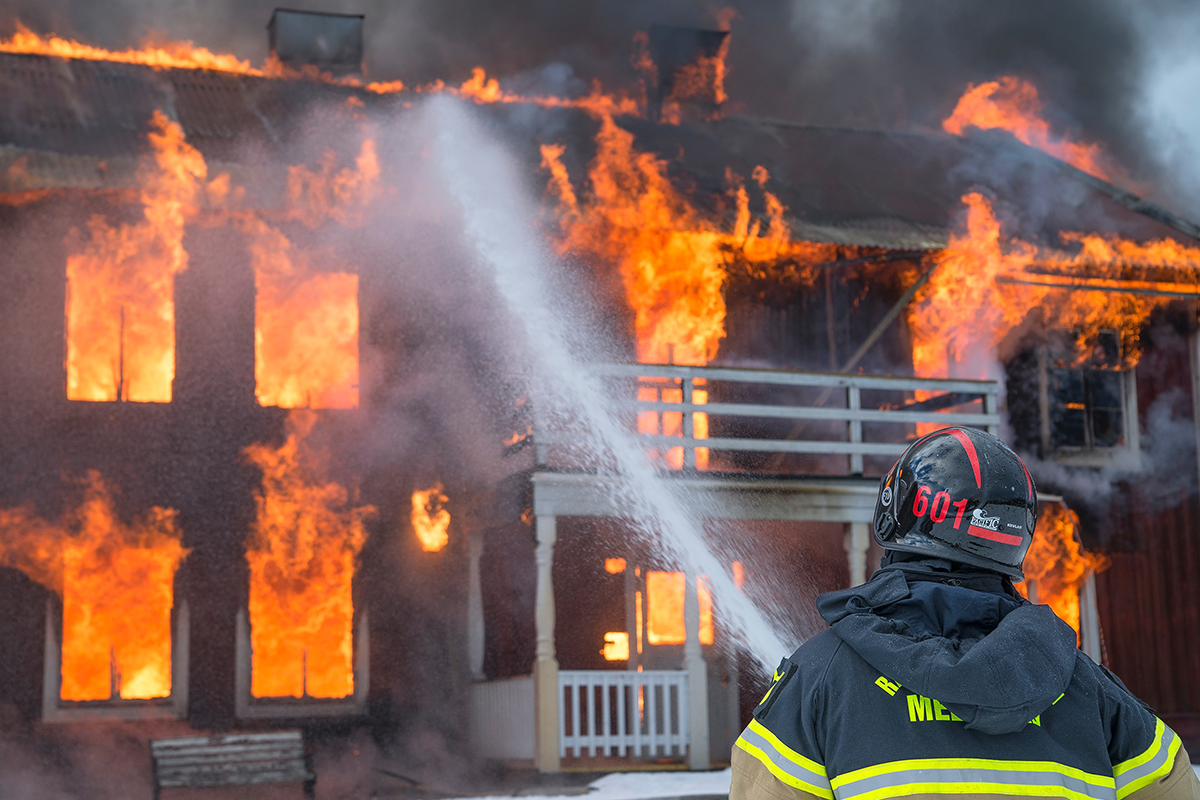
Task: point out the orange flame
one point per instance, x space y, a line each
664 608
616 646
1012 104
177 55
614 566
120 282
117 585
1057 563
306 315
964 312
303 551
430 519
673 260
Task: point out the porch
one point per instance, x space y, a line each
750 445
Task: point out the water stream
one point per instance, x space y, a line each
500 222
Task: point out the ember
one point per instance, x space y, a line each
303 552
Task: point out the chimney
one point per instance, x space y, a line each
331 42
691 66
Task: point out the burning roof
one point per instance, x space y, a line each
81 123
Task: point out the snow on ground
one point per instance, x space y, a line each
647 786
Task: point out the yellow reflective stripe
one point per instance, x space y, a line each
1159 729
1017 789
781 775
973 763
1154 763
783 762
785 751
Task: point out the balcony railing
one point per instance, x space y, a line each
687 414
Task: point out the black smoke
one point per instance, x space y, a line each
1108 70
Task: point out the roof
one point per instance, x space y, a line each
82 124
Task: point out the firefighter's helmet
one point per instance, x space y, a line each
962 495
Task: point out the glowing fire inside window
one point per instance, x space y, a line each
614 566
303 552
664 609
616 646
306 340
120 313
430 520
116 581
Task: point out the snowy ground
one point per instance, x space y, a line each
647 786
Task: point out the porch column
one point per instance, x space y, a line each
1089 620
857 540
475 639
1194 348
697 672
545 665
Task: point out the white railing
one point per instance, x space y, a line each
623 713
502 718
698 395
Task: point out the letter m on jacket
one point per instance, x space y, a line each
920 708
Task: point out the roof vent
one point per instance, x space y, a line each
330 42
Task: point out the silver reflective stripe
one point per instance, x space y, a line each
783 763
1157 763
956 780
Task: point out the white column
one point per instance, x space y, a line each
545 665
697 672
475 637
857 540
1089 620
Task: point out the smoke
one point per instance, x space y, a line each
1116 72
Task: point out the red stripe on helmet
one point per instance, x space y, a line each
1027 478
995 536
969 446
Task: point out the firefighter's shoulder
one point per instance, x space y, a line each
779 754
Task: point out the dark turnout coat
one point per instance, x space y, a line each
934 681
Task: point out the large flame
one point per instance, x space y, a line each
1057 564
673 260
120 282
302 551
1012 104
430 519
970 303
117 584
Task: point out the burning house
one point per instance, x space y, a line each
201 341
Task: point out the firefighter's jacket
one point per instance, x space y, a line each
933 682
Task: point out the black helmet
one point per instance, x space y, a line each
959 494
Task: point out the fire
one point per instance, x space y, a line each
120 282
614 566
1057 564
306 314
116 581
664 608
430 519
616 646
302 551
177 55
1012 104
672 259
971 303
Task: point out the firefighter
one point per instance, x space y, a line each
936 677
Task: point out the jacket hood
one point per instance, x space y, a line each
965 638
